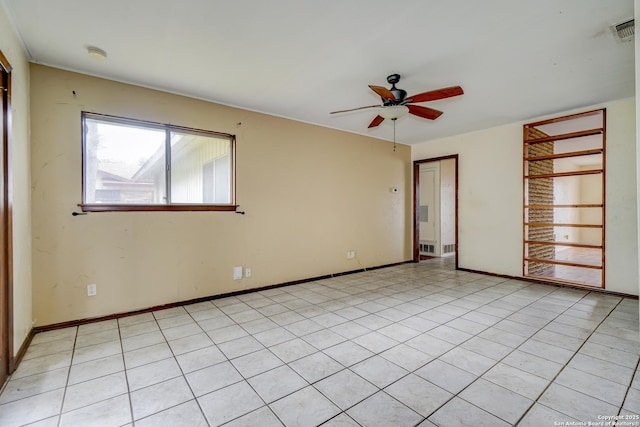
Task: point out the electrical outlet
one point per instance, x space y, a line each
351 254
92 290
237 273
247 272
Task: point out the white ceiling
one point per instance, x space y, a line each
301 59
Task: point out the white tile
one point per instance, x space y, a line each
259 325
546 351
274 336
114 412
48 348
592 385
185 414
490 349
262 417
497 400
323 339
199 359
169 312
292 350
430 345
213 378
458 412
540 415
143 340
181 331
135 319
306 407
348 353
419 394
350 330
92 391
20 388
375 342
315 366
47 422
303 327
345 388
95 368
216 323
379 371
146 355
533 364
341 420
135 329
94 338
240 346
468 360
574 404
158 397
277 383
446 376
229 403
406 357
256 363
602 368
31 409
152 373
382 410
190 343
97 351
632 401
521 382
42 364
630 360
55 335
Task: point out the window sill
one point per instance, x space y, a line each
156 208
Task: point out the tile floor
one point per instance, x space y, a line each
417 344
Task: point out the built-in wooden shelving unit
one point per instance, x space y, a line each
564 199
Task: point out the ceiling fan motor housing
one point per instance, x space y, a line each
399 94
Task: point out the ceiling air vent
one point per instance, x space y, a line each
624 31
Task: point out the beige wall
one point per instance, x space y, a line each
20 180
490 196
310 195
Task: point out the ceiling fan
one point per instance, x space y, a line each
395 102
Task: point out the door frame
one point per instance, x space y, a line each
416 203
6 238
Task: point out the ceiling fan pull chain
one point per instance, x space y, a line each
394 135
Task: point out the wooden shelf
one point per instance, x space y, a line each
583 205
564 174
565 155
553 224
566 263
563 136
573 245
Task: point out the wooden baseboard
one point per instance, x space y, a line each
79 322
15 360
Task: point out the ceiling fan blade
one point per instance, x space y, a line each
424 112
354 109
376 121
433 95
383 92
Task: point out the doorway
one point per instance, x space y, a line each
435 208
6 315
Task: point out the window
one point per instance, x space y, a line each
131 165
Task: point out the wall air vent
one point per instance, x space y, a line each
624 31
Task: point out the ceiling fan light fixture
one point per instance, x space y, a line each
393 112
